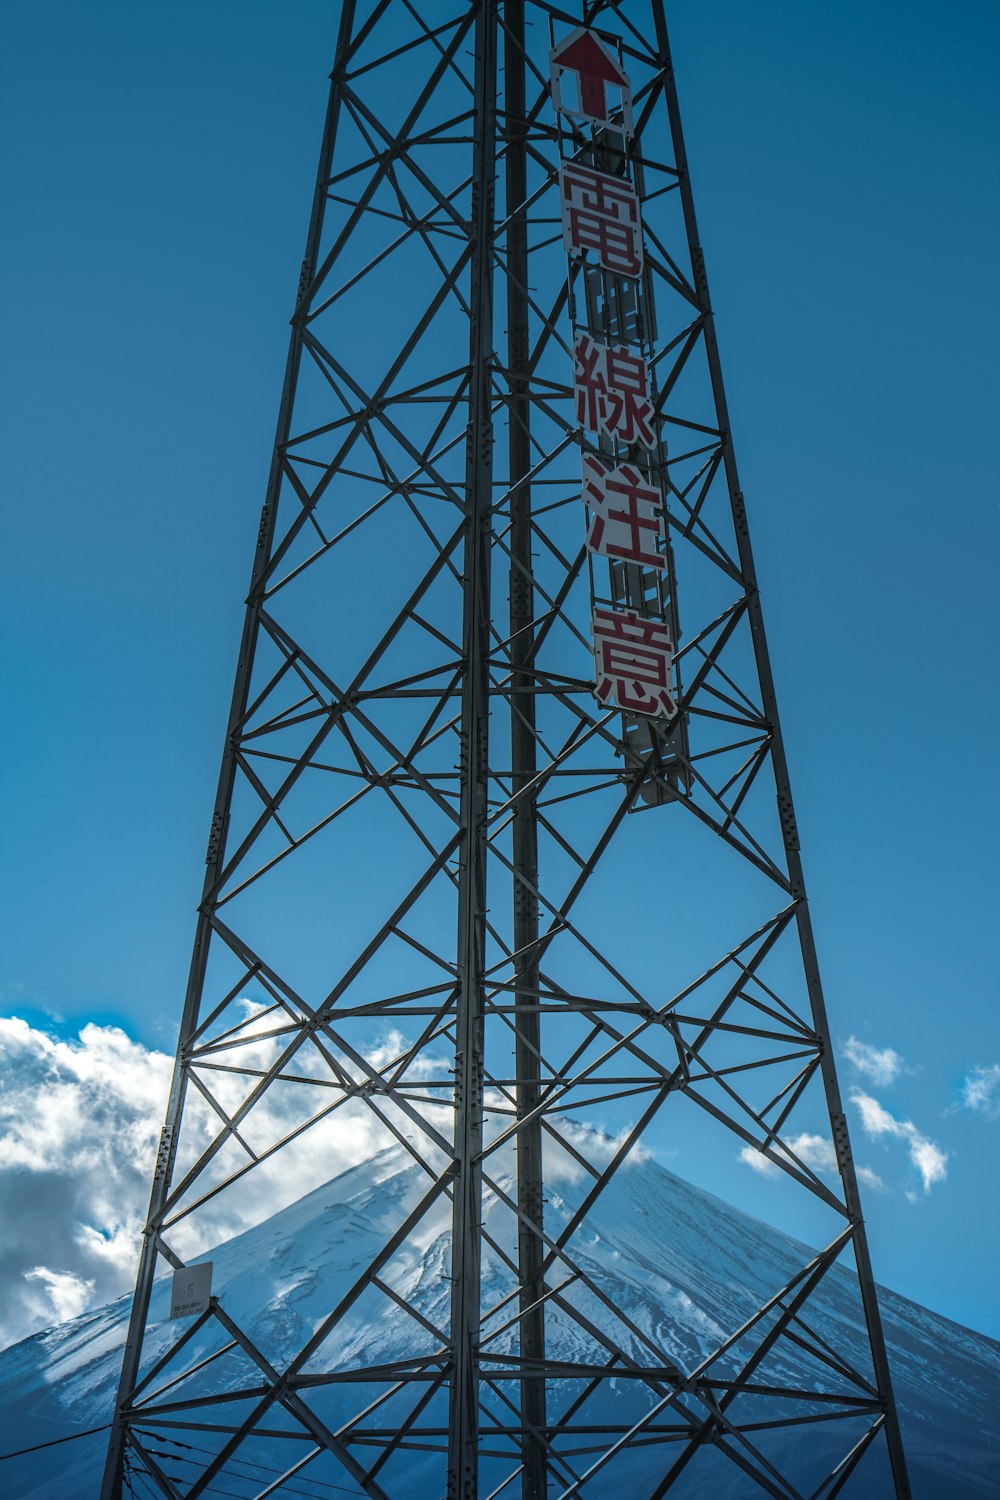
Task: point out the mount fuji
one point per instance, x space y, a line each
687 1267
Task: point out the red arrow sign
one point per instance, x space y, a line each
583 54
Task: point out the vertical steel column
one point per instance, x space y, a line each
463 1422
111 1487
523 770
786 811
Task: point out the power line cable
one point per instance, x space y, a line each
247 1463
194 1448
54 1442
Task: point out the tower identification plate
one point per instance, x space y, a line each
191 1291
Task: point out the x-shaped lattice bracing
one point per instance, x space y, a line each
408 757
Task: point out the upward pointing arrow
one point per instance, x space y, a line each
583 54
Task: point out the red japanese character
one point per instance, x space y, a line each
627 514
633 657
612 392
601 214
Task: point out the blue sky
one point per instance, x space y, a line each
845 167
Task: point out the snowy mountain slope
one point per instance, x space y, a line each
684 1268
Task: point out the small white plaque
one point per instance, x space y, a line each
191 1291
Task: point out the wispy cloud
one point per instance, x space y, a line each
930 1161
69 1295
882 1065
758 1162
979 1091
816 1151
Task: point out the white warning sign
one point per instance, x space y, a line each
191 1292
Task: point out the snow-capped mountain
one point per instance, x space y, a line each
687 1267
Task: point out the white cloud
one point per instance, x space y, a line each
761 1164
816 1151
79 1120
68 1294
882 1065
79 1124
928 1159
979 1091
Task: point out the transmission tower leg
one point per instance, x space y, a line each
469 1062
523 774
838 1121
111 1487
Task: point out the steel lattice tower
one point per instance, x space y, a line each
503 865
